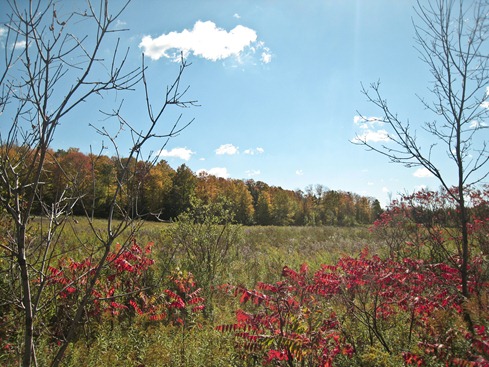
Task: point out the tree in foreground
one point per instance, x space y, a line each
452 39
52 69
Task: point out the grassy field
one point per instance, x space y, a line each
228 262
259 256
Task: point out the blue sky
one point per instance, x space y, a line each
279 88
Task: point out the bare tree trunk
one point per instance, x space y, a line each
464 266
26 297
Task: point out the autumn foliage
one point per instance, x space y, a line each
124 291
401 309
165 193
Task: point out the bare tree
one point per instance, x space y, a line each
48 71
451 37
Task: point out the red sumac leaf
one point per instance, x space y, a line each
136 307
195 300
242 316
227 328
245 296
172 295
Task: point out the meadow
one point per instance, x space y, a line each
258 255
210 293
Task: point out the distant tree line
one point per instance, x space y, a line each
159 191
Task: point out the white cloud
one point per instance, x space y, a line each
357 119
266 57
370 133
204 40
19 44
299 172
477 124
386 189
422 172
373 136
367 122
15 45
252 172
252 151
216 171
182 153
228 149
237 16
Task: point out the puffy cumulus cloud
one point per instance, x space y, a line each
254 151
252 172
216 171
182 153
207 41
299 172
3 31
237 16
372 136
422 172
228 149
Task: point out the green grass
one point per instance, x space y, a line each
260 255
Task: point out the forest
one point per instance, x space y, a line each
163 193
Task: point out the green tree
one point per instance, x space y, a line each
262 210
104 186
282 211
158 187
182 192
363 210
330 203
240 200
